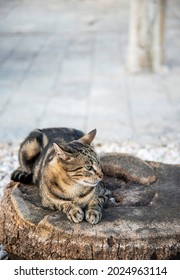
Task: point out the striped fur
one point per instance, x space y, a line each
67 170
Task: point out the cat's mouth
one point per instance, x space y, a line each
92 184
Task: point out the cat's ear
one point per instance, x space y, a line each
88 138
60 153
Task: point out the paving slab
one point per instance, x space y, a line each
63 63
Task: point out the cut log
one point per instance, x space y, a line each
141 222
127 166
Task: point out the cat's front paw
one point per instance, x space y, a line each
75 214
93 216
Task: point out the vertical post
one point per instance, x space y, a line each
146 35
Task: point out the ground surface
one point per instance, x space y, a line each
63 63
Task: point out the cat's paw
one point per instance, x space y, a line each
75 214
21 176
93 216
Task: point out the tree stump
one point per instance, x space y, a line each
140 222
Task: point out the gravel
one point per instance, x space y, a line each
8 162
166 153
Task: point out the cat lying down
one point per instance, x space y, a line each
67 170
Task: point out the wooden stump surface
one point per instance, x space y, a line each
141 222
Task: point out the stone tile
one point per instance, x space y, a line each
5 96
63 120
22 112
7 46
109 110
15 68
152 113
77 90
64 112
63 63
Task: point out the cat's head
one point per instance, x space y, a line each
80 161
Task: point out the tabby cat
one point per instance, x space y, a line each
65 167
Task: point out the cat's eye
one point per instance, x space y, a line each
88 167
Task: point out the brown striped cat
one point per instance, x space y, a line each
67 170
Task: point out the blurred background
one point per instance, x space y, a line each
84 64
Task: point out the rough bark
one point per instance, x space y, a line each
141 222
128 167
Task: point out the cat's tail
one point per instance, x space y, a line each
20 176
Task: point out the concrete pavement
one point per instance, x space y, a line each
62 63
